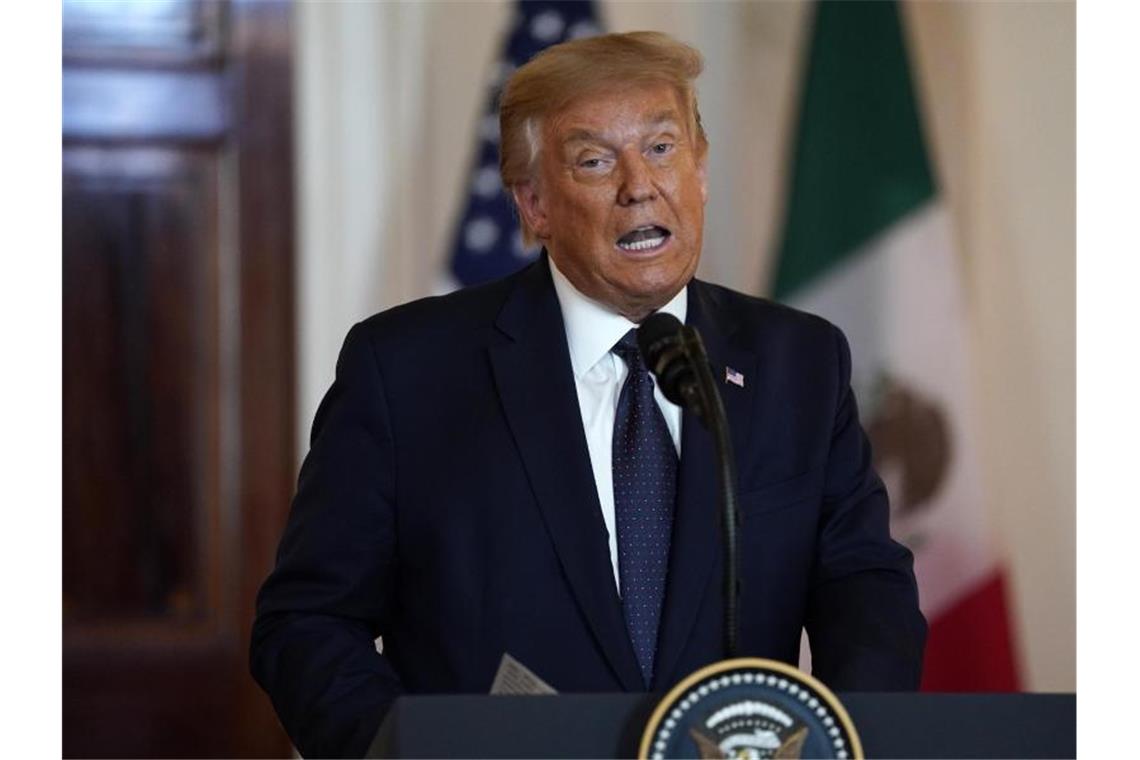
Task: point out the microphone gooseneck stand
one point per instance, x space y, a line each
677 356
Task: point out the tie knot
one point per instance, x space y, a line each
627 349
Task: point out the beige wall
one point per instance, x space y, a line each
389 94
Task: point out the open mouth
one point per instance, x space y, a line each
646 238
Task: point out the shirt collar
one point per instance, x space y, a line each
592 329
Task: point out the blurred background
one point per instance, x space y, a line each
245 179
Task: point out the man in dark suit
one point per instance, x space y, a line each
493 472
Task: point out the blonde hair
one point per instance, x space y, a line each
563 73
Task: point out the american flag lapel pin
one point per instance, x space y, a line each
734 377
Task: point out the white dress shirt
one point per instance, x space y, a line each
591 331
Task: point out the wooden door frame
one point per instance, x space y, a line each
263 32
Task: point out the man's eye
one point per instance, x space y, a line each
662 148
590 163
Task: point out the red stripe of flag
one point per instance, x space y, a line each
970 645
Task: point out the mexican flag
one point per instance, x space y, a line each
868 245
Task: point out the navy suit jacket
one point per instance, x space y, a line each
448 505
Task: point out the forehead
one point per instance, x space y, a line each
616 114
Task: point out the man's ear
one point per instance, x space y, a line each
530 206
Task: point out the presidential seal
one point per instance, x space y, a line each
750 708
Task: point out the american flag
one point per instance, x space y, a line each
487 241
734 377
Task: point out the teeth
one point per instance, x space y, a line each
642 245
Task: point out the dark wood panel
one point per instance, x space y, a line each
178 387
125 105
143 32
140 363
264 119
155 705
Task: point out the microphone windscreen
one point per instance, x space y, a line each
655 335
660 340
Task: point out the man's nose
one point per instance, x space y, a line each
636 181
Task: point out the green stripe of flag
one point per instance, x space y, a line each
860 162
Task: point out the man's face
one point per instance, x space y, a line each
618 198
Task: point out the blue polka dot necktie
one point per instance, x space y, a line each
645 485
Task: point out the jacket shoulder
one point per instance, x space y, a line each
763 320
427 321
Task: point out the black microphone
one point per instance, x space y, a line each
676 356
671 352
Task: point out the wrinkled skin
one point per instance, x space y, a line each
610 163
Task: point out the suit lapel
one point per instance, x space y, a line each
536 386
696 525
